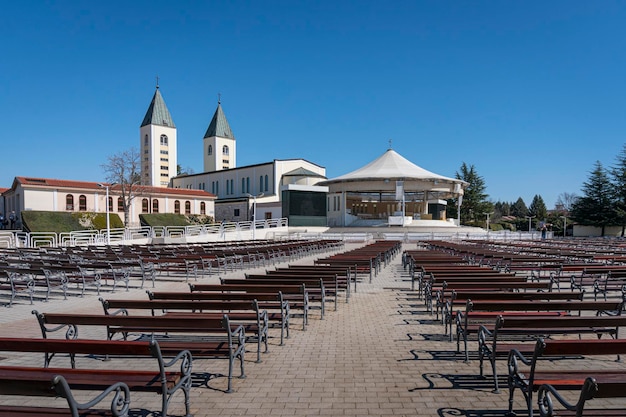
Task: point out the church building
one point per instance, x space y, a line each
158 144
282 188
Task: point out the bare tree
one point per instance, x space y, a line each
122 170
565 201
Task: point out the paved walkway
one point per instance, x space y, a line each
380 354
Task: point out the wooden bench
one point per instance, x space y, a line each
162 380
503 328
207 337
526 375
296 295
448 300
320 289
28 382
592 388
338 278
511 286
245 312
277 309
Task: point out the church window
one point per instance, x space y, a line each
146 140
187 207
177 207
155 206
110 204
120 204
144 205
82 203
163 140
261 183
69 202
202 207
266 183
225 150
210 150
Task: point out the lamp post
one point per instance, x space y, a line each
529 222
254 197
564 225
106 203
487 214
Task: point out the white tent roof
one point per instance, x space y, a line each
391 166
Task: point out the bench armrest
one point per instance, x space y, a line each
547 392
71 331
120 404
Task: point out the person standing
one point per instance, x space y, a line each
12 219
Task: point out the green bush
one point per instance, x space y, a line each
63 222
170 219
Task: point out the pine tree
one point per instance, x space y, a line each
618 175
475 204
519 209
538 209
595 207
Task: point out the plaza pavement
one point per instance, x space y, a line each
380 354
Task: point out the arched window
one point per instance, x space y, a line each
155 206
210 150
243 185
225 150
187 207
146 140
177 207
110 203
202 207
266 182
163 140
144 205
261 183
69 202
82 203
120 204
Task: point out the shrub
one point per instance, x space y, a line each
63 222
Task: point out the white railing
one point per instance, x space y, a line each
238 231
133 234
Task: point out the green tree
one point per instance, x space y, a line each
618 175
501 209
519 209
538 209
595 207
475 205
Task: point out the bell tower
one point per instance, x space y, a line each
157 144
219 146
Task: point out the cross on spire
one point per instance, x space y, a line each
389 143
157 81
219 98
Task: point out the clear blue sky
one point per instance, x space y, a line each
531 93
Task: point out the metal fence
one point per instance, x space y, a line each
240 231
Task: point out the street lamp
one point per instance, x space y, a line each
254 197
564 225
529 222
106 203
488 214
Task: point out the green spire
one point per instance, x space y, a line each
157 113
219 125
